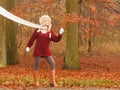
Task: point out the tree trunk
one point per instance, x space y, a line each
72 50
3 62
12 56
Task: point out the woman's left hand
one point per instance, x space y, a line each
61 31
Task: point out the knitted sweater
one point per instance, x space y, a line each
42 42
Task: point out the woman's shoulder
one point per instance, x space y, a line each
37 30
51 30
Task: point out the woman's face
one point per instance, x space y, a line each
46 22
45 27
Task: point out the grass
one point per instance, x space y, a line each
110 83
91 82
44 82
66 82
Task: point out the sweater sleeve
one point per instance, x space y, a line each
32 39
54 37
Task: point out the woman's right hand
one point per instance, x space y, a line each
27 49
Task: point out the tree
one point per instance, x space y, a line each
12 57
99 17
2 39
72 49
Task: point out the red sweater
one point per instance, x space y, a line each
43 42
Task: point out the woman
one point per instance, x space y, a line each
43 37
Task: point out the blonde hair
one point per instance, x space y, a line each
42 18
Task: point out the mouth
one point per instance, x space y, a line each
46 26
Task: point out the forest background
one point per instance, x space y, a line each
104 37
98 43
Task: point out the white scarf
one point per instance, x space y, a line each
12 17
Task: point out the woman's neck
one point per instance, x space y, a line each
43 31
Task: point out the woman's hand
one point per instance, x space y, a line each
61 31
27 49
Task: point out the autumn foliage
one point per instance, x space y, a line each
100 12
96 17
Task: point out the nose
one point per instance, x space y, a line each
47 21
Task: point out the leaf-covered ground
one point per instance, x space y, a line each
95 72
